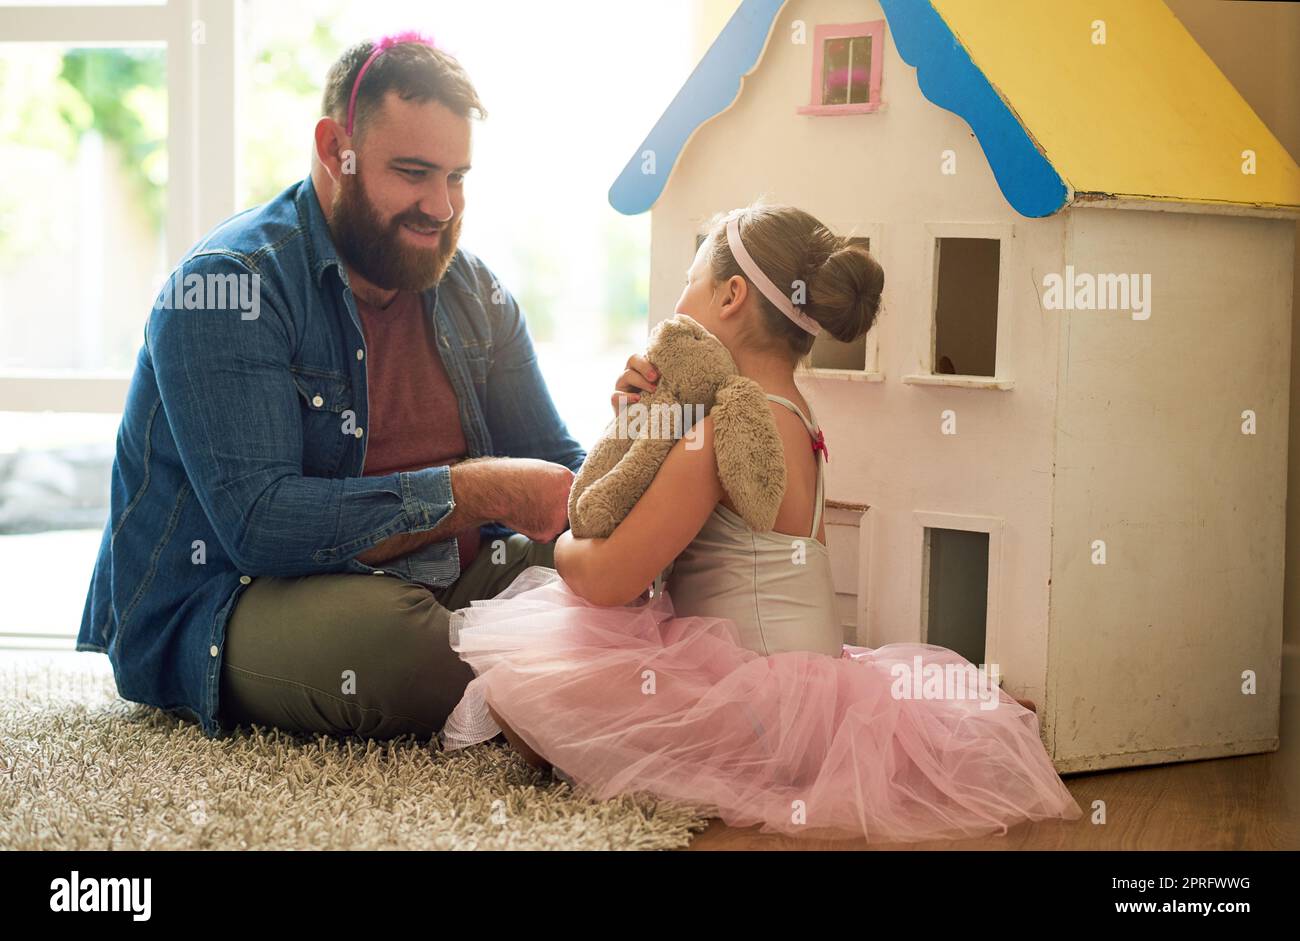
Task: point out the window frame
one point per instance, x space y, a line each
1004 234
875 29
995 527
201 40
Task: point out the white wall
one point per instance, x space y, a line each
1148 650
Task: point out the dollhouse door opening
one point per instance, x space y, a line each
966 306
955 590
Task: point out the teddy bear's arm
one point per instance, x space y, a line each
609 498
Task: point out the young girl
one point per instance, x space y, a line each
732 689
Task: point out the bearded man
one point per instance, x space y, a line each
304 488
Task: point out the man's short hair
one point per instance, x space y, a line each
416 72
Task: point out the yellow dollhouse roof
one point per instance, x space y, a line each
1072 101
1144 114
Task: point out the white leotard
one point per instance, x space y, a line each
775 586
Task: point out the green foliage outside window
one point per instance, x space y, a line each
54 99
121 93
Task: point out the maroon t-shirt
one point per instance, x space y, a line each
414 416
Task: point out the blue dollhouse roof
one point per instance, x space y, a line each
1060 119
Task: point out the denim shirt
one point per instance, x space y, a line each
241 447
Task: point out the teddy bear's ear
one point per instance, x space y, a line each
751 459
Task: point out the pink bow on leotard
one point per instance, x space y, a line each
819 444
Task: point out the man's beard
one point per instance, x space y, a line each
379 253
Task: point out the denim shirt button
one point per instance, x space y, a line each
358 432
213 650
317 401
244 580
360 354
379 571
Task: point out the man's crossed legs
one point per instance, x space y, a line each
356 654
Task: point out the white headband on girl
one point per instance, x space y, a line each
763 283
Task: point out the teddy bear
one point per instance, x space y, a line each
697 376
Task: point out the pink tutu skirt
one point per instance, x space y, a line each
635 699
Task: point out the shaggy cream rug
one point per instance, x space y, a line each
82 769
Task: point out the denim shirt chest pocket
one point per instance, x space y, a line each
328 418
473 357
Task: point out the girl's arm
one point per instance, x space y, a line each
616 570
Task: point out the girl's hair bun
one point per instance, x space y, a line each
844 292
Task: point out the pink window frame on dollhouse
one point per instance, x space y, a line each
875 30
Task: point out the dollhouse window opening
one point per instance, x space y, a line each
847 68
843 60
967 278
955 590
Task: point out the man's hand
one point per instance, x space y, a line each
640 376
529 496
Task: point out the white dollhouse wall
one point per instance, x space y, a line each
1154 457
846 537
1093 426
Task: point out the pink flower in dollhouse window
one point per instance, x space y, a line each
848 60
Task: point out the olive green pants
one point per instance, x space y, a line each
353 654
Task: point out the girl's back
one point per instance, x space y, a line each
775 586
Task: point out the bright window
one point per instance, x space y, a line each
82 247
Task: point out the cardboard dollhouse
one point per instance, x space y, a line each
1062 448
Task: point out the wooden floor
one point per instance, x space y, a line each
1246 803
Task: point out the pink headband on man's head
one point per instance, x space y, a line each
388 42
764 283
